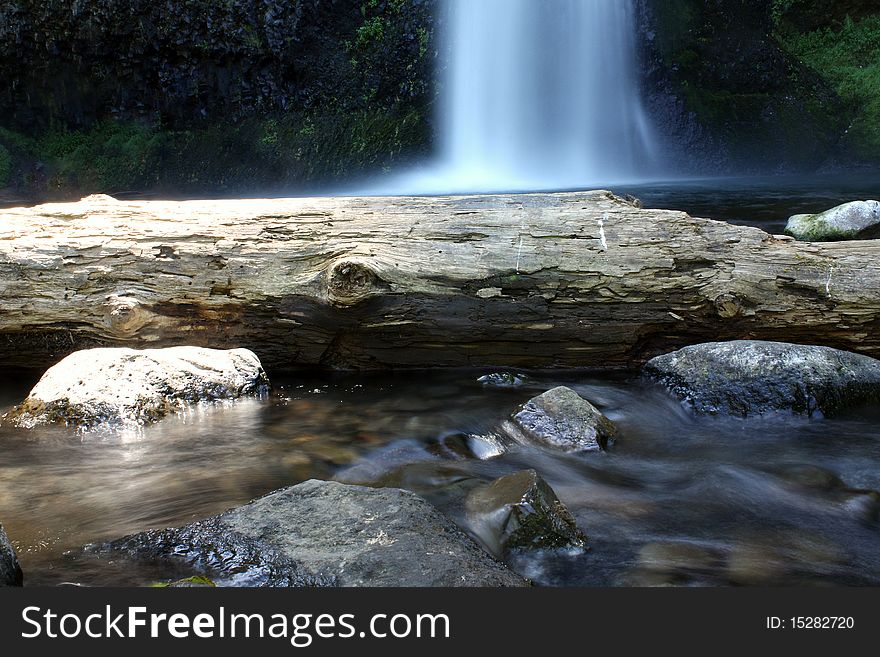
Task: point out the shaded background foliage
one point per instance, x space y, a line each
766 85
217 96
194 95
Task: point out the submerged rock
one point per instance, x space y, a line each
677 559
811 477
134 387
468 446
850 221
10 570
750 377
522 512
860 504
321 533
562 419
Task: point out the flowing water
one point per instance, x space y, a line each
679 499
537 94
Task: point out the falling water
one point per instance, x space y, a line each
539 94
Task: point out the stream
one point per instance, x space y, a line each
678 500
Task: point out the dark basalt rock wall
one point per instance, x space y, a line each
210 95
190 61
728 96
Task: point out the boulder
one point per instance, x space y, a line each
521 512
321 533
135 387
561 419
850 221
750 377
504 380
10 570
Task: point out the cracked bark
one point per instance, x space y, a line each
538 280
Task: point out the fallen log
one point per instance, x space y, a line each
538 280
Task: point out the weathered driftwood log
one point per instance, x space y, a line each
578 279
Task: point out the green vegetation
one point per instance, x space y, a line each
849 58
284 150
215 99
5 166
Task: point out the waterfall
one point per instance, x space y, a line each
538 94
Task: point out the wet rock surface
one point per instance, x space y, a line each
561 419
850 221
10 570
326 534
522 512
750 377
504 380
130 387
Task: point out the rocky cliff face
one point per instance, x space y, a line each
210 93
189 61
729 95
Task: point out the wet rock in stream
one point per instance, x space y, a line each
10 570
459 445
322 533
129 387
673 564
563 420
521 512
504 380
752 377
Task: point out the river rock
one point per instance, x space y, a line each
850 221
504 380
326 533
561 419
482 446
750 377
10 570
522 512
135 387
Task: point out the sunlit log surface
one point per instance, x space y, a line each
538 280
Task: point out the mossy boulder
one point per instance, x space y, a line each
752 377
521 512
128 387
850 221
10 570
563 420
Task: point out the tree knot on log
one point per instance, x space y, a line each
125 315
350 282
728 306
